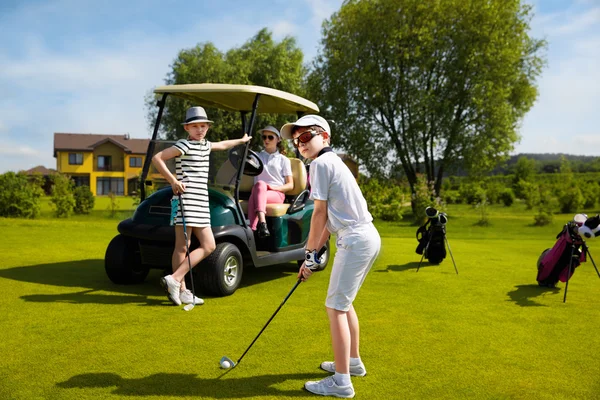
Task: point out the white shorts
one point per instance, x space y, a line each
357 249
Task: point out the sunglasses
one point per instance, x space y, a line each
270 137
305 137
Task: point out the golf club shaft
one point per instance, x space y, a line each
424 252
187 249
323 249
569 273
270 319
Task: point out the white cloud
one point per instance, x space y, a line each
12 149
283 28
322 9
580 22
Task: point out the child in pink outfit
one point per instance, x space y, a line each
270 186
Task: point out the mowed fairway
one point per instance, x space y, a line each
67 332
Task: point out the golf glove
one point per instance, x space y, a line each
312 260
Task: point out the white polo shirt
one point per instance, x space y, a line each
331 180
276 168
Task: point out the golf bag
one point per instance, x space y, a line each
432 236
559 262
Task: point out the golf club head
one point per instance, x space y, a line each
188 307
443 218
431 212
229 360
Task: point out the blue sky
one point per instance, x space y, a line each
84 67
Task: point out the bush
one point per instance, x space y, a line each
493 190
531 194
422 198
570 199
84 200
482 207
547 203
452 197
591 193
113 205
472 193
62 195
19 197
507 197
384 199
543 218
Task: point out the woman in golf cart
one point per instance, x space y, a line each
270 186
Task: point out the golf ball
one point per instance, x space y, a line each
225 364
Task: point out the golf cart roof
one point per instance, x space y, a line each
240 98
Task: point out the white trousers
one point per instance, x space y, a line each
357 249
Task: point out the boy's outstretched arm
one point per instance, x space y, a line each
227 144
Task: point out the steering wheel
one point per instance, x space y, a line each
254 165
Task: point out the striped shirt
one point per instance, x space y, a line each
192 168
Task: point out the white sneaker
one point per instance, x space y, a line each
186 297
172 288
355 370
328 387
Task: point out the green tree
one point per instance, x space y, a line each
524 169
84 200
19 196
62 197
260 61
442 83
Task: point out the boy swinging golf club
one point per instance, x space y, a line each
340 209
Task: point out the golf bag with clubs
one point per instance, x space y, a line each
559 262
432 236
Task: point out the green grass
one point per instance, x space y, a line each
489 332
102 209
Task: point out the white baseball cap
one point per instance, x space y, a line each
271 129
307 120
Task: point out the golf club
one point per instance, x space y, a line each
187 307
227 362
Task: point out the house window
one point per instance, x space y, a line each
75 158
104 163
81 180
135 162
105 186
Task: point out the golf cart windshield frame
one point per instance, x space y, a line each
232 98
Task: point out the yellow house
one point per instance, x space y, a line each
105 163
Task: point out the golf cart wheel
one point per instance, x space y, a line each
122 261
324 259
221 272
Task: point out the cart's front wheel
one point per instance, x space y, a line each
221 272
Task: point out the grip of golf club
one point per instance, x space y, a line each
322 251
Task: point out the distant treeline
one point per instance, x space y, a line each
550 163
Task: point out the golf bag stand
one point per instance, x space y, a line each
433 241
586 251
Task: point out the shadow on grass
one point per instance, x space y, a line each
523 294
408 266
89 278
190 385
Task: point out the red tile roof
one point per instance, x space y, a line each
40 169
88 141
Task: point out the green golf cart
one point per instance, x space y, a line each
147 239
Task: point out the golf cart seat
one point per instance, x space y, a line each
297 196
299 190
